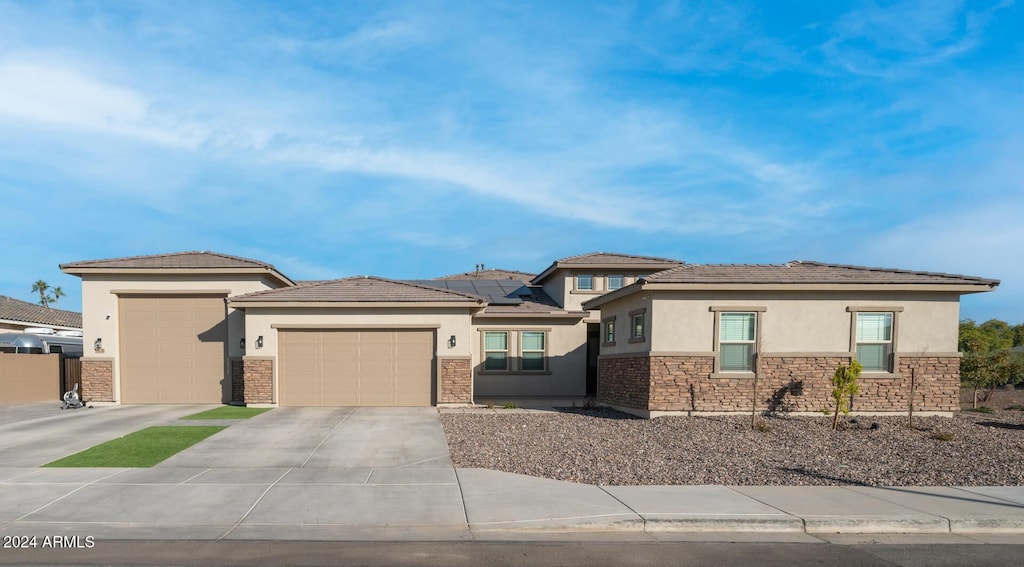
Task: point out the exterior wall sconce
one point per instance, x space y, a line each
451 341
97 345
241 343
259 341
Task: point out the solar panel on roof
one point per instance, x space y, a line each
503 300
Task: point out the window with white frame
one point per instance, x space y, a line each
532 348
496 350
616 282
584 282
874 341
736 337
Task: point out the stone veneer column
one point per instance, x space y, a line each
258 380
237 381
456 385
624 381
98 379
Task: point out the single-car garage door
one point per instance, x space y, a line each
172 349
378 367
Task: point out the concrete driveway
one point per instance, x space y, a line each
291 473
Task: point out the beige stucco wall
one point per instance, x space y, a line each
566 352
100 315
803 322
621 310
448 321
561 286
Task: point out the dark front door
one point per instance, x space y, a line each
593 350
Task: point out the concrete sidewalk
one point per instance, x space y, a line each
461 504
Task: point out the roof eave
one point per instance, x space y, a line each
630 289
607 266
532 315
79 271
243 304
928 287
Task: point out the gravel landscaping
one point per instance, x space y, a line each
602 446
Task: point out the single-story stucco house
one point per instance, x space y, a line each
646 335
17 315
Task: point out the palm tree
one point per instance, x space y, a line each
57 294
42 287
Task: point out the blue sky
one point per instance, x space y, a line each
416 139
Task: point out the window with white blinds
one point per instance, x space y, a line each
874 341
736 335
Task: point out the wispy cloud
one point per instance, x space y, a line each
892 40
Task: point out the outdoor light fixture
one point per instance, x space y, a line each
451 341
98 344
259 341
241 343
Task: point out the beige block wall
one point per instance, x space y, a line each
803 322
27 378
100 315
567 359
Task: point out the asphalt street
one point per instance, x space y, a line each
536 554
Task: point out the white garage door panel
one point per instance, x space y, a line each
355 368
172 349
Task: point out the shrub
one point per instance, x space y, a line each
981 409
509 405
844 387
942 436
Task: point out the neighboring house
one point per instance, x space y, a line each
201 327
17 315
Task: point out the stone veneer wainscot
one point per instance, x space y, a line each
787 383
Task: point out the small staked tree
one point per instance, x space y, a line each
844 387
57 294
42 287
758 349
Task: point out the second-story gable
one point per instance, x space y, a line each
574 280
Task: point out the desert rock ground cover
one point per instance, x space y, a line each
602 446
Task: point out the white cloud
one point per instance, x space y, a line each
62 97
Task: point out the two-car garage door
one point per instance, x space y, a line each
345 367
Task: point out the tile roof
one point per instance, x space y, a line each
358 289
613 258
184 260
16 310
806 272
490 274
608 260
504 296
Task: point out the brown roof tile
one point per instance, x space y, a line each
806 272
612 258
182 260
490 274
609 260
524 298
23 311
358 289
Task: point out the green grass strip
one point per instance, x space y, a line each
144 448
228 412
